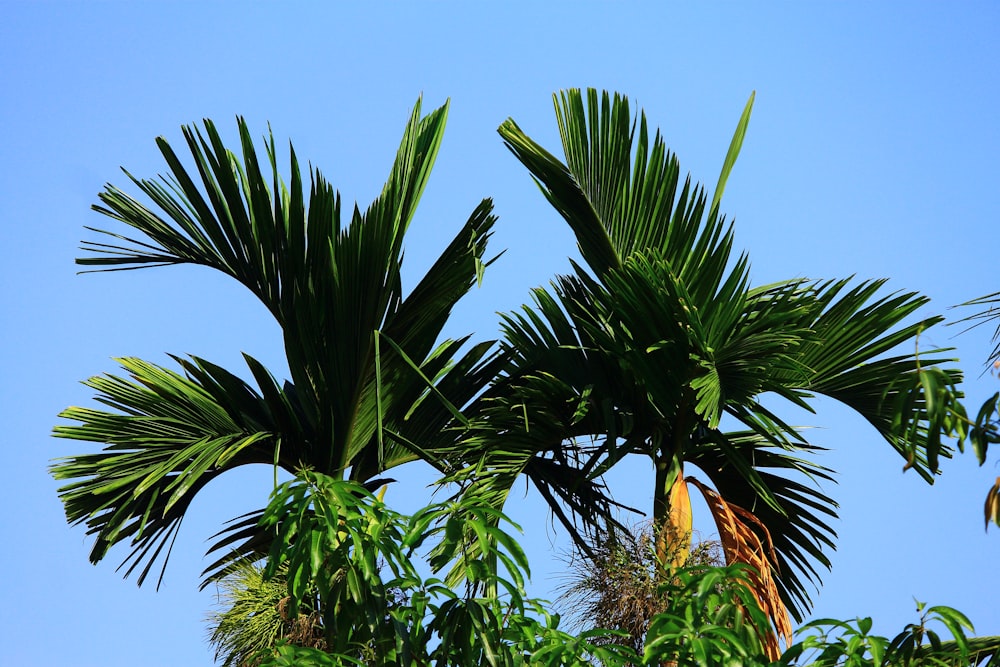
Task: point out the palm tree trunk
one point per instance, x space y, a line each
671 504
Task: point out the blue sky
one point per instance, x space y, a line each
872 151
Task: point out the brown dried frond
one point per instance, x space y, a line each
740 533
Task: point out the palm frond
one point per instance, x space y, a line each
167 437
333 284
798 517
852 333
745 539
734 150
618 192
989 315
241 542
664 336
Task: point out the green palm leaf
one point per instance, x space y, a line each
615 203
662 340
332 280
852 333
167 436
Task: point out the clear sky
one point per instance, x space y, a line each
872 151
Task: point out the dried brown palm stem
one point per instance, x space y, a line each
741 543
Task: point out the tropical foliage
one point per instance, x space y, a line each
621 583
336 537
949 416
657 345
829 643
253 616
660 346
364 356
985 430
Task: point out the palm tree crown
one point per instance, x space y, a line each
371 385
661 346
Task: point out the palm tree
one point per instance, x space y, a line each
660 346
371 387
